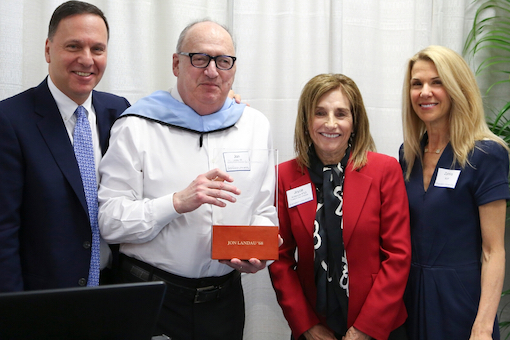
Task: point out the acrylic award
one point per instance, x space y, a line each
247 228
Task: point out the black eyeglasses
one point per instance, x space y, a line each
202 60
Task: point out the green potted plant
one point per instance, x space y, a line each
504 324
488 47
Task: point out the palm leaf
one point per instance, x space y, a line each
500 125
490 37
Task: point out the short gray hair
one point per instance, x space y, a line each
187 28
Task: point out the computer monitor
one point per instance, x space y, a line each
110 312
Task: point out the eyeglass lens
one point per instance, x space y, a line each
202 60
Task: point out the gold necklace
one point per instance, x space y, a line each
438 151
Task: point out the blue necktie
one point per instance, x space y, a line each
84 152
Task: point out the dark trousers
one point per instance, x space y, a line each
220 319
110 275
182 318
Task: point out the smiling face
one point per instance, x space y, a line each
429 98
331 126
76 55
204 89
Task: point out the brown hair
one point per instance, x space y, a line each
310 96
70 8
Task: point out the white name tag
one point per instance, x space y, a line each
447 178
299 195
237 161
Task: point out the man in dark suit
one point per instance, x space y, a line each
45 230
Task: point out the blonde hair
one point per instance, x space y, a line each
312 92
467 119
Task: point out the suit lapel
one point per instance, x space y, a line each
306 210
54 133
356 188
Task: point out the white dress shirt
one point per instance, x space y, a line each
147 162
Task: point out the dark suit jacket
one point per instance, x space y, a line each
377 243
45 233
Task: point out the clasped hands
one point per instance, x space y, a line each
320 332
212 188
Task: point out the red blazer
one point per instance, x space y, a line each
377 242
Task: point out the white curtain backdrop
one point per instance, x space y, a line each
281 44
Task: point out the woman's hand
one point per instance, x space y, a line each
235 96
354 334
319 332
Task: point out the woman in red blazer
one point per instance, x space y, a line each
344 219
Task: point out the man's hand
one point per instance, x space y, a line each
253 265
208 188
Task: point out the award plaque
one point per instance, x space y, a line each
245 242
247 228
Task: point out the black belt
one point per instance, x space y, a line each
199 290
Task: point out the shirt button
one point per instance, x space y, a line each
86 245
82 282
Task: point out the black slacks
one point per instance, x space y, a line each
182 317
220 319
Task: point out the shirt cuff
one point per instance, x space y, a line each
163 209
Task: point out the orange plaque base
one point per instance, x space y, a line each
244 242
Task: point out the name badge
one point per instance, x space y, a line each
447 178
299 195
237 161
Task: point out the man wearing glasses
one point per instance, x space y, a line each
159 185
